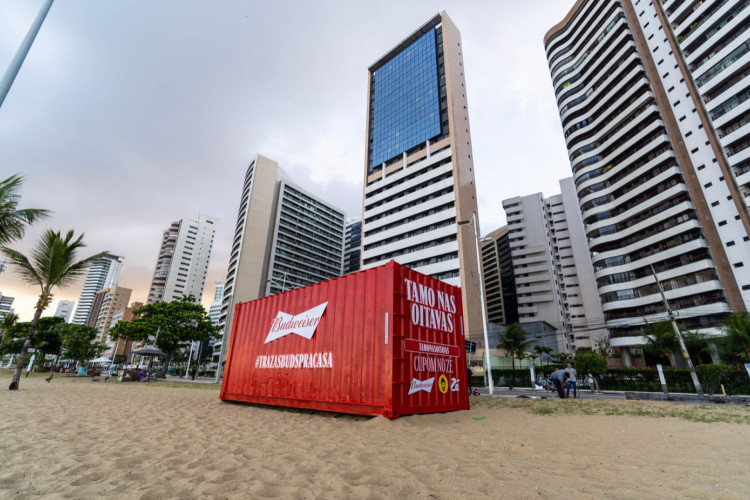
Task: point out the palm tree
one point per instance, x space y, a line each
543 350
52 264
14 220
6 324
661 341
737 340
513 341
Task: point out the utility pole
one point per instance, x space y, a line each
685 354
23 50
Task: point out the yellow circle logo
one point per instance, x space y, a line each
443 383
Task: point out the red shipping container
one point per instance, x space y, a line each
384 341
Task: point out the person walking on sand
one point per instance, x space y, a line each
469 374
571 381
558 377
193 372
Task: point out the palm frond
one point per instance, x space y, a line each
21 264
13 220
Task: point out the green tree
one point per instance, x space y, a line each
698 347
78 342
8 321
543 350
513 341
661 342
14 220
45 340
590 363
52 263
172 324
736 342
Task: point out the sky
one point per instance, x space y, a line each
128 115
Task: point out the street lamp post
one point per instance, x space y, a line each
488 368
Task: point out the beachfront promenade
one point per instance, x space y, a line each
78 439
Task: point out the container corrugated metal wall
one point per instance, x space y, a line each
341 345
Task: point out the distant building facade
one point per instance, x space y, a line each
285 238
655 105
183 260
65 309
353 245
499 282
103 273
214 311
122 346
554 284
107 303
6 305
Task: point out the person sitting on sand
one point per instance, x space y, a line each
559 377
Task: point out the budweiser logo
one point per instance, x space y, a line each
302 324
421 385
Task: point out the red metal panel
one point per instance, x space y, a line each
339 346
428 349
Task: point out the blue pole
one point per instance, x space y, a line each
15 64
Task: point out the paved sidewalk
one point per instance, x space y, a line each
198 380
504 392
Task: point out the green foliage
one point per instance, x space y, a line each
661 342
46 339
698 346
590 363
78 342
540 350
120 359
14 220
710 376
736 343
176 322
52 264
513 341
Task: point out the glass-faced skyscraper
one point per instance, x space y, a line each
419 172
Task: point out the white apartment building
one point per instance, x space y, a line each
554 283
285 238
65 309
659 181
103 273
183 260
6 305
214 311
352 245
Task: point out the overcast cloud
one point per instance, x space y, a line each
128 115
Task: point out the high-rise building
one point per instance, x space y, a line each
352 245
183 260
107 303
65 309
103 273
121 346
654 105
499 282
214 311
419 172
285 238
552 267
6 305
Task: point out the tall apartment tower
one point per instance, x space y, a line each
499 282
419 172
653 105
214 311
103 273
65 309
183 260
6 305
555 284
107 303
352 245
285 238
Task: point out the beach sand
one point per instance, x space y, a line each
78 439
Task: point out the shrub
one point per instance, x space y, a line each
710 376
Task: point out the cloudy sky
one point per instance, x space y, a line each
130 114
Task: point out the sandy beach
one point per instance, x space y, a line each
78 439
